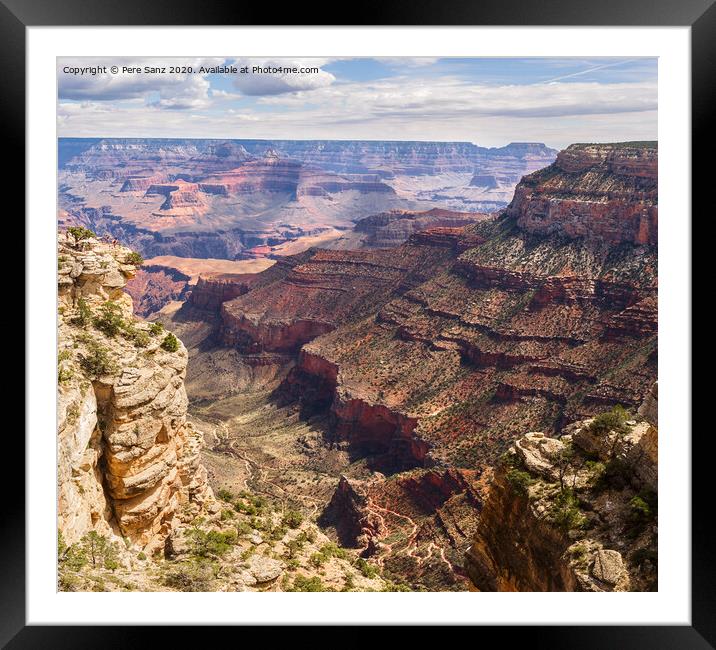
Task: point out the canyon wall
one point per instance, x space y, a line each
606 193
575 513
128 460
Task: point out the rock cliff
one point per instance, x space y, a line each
128 460
574 513
606 193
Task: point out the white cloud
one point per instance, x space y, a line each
162 90
410 106
277 83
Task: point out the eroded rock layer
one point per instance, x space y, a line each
128 461
575 513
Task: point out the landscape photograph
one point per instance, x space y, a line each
357 324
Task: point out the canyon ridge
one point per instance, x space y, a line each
357 366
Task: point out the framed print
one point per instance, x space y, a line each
360 325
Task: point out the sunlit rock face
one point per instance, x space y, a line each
128 461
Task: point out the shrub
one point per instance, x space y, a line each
84 314
80 232
139 337
367 570
293 547
97 362
302 583
643 507
92 548
243 529
292 519
278 533
134 258
156 328
187 576
141 556
110 319
565 512
224 495
214 542
63 373
613 420
170 343
520 481
333 550
318 559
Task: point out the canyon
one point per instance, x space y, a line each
411 383
240 199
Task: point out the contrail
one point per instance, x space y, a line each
576 74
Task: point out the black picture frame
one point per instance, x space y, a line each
700 15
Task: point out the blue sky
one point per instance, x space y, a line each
489 101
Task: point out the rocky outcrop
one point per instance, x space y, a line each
605 193
153 286
128 461
210 292
389 229
576 513
305 296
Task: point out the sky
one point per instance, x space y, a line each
488 101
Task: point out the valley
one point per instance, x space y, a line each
372 328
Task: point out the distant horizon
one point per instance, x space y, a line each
228 139
490 101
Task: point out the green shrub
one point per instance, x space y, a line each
565 512
109 320
140 338
520 481
246 508
213 542
293 548
79 233
302 583
224 495
613 420
170 343
333 550
643 507
93 548
191 576
243 529
134 258
84 314
318 559
141 556
97 362
156 328
367 570
292 519
278 533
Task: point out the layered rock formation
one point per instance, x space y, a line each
575 513
205 198
389 229
153 286
607 193
305 296
128 461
